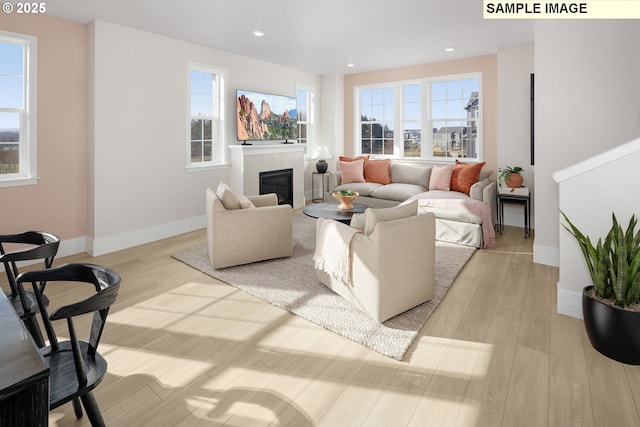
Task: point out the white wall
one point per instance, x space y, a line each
332 114
614 183
329 125
587 96
515 66
141 189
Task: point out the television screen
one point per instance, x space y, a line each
263 116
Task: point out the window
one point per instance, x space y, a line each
411 120
377 120
305 97
439 118
17 109
206 122
454 117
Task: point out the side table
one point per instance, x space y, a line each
313 186
514 199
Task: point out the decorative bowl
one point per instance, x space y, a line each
345 201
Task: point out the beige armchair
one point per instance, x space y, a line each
241 236
391 269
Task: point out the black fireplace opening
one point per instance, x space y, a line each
279 182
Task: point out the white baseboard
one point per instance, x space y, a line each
569 302
105 245
546 255
102 246
72 247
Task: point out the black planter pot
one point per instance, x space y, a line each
613 331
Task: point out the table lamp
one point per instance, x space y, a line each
322 153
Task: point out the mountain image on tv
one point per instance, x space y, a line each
264 116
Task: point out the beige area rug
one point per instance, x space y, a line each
290 283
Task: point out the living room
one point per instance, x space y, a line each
111 113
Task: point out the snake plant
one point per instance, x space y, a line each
624 268
614 265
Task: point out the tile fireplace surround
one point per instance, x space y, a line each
247 161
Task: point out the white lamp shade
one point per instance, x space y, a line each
321 152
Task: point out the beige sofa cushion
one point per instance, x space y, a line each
398 191
374 216
410 174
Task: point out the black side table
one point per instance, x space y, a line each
313 186
514 199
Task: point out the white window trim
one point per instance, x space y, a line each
311 119
220 147
427 139
28 157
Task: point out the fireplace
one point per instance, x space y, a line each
247 161
279 182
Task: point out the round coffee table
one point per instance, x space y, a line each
330 210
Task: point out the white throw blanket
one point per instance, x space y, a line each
333 250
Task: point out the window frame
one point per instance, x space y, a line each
28 140
426 119
218 152
311 118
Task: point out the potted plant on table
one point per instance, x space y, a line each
345 197
511 177
611 306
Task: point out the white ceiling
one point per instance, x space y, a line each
319 36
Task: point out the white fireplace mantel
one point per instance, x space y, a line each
247 161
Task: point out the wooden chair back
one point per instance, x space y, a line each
40 246
76 366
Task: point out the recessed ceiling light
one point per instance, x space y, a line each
258 33
449 49
351 65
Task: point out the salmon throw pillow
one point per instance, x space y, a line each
353 159
378 171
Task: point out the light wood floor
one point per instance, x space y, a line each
186 350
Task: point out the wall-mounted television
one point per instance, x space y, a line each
264 116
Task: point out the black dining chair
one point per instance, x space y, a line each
76 367
31 246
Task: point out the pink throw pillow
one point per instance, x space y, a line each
352 171
441 178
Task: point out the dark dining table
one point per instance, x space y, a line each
24 376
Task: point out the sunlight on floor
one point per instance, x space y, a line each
170 371
181 332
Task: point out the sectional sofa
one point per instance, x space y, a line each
465 213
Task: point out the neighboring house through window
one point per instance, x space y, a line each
439 118
18 162
205 145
